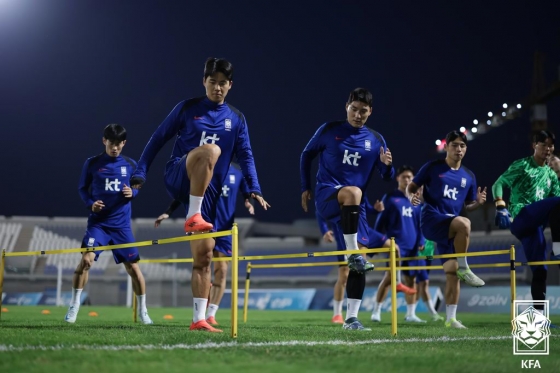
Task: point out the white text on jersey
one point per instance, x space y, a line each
204 140
347 157
113 186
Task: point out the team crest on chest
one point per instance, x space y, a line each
232 179
368 145
123 171
463 182
227 124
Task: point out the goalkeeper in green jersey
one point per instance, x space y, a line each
534 202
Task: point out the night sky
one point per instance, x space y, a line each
68 68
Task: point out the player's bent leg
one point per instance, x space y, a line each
218 288
200 282
79 280
200 169
349 198
460 230
139 287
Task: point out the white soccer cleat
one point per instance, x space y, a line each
454 323
376 317
414 318
145 318
72 314
436 317
469 278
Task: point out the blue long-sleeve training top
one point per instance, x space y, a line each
103 178
199 121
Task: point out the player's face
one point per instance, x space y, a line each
456 150
217 87
113 149
555 165
543 150
404 179
357 113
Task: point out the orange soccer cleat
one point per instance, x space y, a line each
212 321
337 319
402 288
204 326
196 224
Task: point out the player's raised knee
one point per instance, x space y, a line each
462 224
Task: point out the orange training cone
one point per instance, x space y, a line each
93 314
46 312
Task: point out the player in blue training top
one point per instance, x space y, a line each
376 240
208 132
400 219
105 189
448 187
225 216
349 152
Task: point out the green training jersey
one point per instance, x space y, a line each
528 183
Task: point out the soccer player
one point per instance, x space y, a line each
349 152
400 219
534 201
104 188
208 132
448 187
225 216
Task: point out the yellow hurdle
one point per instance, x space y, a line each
235 258
393 265
234 279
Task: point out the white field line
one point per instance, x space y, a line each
207 345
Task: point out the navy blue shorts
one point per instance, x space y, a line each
435 227
421 274
97 235
223 245
528 227
178 187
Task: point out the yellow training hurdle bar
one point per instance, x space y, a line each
393 268
235 258
234 232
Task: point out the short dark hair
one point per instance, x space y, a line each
404 168
542 136
453 135
114 133
218 65
361 95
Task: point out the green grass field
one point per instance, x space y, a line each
271 341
